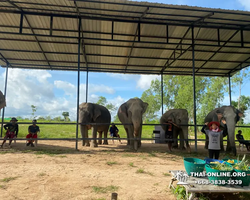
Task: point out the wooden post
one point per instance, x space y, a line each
114 196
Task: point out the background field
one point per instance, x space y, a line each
69 131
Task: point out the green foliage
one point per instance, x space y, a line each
66 116
180 192
111 163
34 109
8 179
131 164
103 101
178 93
140 171
107 189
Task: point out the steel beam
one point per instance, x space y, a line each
230 93
5 95
156 21
218 50
137 31
194 91
33 33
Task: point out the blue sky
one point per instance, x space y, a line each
54 92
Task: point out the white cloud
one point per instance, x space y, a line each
245 3
120 76
144 81
68 88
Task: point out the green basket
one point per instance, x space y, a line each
235 161
194 165
245 179
217 180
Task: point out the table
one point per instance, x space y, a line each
192 187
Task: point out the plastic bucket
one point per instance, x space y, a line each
235 161
209 160
217 177
194 165
245 179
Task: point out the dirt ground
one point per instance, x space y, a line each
55 170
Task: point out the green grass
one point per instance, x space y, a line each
42 174
142 171
166 174
68 130
131 164
107 189
6 180
2 186
111 163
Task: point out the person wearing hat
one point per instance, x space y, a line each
12 130
33 130
214 134
241 140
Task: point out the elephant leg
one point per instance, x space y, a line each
127 131
105 138
181 140
84 133
175 137
100 137
228 149
139 141
206 143
94 134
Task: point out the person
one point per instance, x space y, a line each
214 134
33 130
169 133
12 131
113 132
241 140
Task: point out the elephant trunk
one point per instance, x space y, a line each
231 135
137 125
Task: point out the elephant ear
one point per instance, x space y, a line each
96 113
144 107
123 109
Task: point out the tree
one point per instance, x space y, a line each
237 81
34 109
178 93
65 115
103 101
244 104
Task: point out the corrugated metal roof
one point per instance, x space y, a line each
123 36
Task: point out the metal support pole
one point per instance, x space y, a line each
87 85
161 93
5 92
193 55
230 94
78 80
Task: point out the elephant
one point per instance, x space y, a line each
232 116
2 100
131 112
178 116
94 113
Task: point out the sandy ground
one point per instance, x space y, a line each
55 170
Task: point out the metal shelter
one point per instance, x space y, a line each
120 36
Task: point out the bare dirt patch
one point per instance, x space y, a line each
55 170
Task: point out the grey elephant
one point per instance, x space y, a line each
232 116
178 116
94 113
131 112
2 100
